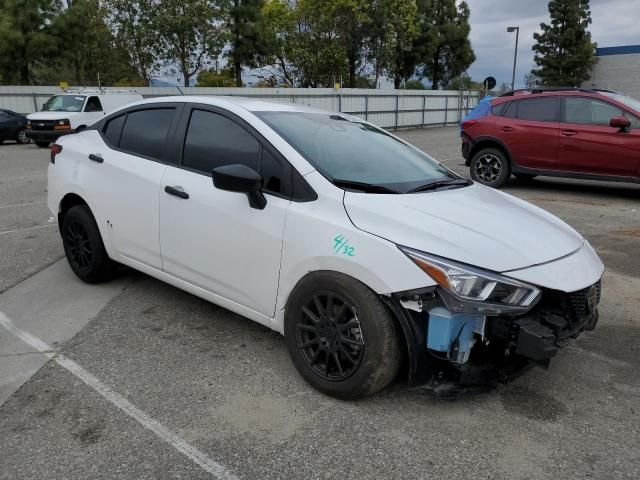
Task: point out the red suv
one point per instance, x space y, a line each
573 133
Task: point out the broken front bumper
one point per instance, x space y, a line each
507 346
558 318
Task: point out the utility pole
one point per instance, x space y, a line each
515 56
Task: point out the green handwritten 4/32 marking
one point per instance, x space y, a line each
341 246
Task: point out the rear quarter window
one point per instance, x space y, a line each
499 109
538 109
145 132
113 130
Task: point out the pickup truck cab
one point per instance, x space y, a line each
74 110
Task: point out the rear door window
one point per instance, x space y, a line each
213 141
145 132
538 109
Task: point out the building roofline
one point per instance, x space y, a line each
620 50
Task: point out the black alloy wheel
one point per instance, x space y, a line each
83 246
341 337
79 245
330 337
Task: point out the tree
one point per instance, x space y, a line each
25 37
211 78
86 47
280 33
351 20
531 80
464 82
446 48
247 32
391 39
414 85
189 33
131 22
503 88
564 52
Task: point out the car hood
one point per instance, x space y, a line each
476 225
51 115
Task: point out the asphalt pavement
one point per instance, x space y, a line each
136 379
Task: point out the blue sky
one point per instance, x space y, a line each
615 22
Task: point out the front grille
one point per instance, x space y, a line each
43 124
577 303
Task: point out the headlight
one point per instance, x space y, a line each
62 125
472 290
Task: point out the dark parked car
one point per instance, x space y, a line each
13 126
572 133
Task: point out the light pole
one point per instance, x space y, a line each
515 56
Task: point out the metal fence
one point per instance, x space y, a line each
386 108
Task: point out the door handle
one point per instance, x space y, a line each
569 133
507 129
96 157
176 191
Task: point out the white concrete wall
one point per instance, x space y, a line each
386 108
617 72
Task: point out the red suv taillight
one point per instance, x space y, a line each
55 150
468 123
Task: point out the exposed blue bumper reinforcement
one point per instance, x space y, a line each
453 333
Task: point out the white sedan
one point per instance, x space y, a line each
358 247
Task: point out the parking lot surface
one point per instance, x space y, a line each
141 380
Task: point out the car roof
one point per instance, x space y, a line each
520 94
247 103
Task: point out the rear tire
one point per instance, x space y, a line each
83 246
340 336
490 166
43 144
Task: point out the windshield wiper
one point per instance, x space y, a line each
362 186
458 182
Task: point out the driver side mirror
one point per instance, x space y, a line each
623 124
242 179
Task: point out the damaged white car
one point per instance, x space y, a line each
368 255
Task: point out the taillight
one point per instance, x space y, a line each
468 123
55 150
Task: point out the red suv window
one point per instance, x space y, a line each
538 109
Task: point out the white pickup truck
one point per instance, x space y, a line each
74 110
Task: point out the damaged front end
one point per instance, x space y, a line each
476 328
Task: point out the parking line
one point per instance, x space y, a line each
166 435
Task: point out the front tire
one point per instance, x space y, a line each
21 137
43 144
340 336
490 167
83 246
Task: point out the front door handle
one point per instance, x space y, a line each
569 133
177 191
96 157
507 129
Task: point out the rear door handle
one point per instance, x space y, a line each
177 191
96 157
507 129
569 133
